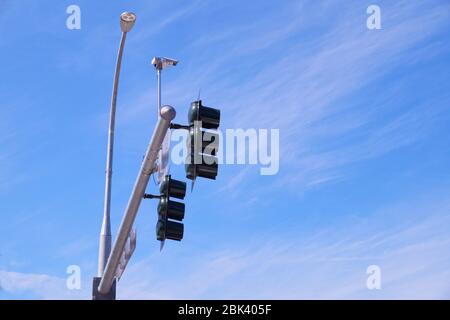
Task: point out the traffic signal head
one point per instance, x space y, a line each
199 141
166 229
173 188
207 169
202 145
209 117
169 210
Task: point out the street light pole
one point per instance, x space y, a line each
127 20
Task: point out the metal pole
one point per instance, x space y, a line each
127 20
160 63
158 98
105 233
167 114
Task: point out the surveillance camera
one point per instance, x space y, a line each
169 62
156 61
161 62
127 20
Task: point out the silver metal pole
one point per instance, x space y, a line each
158 98
167 115
105 233
127 20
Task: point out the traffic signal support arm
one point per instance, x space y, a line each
167 115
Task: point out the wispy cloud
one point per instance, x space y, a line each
327 83
170 15
316 90
309 88
330 264
41 286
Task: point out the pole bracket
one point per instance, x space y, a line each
179 126
151 196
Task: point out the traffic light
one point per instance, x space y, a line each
169 210
202 146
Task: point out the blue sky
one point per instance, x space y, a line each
364 147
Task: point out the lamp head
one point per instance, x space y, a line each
127 20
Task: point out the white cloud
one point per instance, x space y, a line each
41 286
320 134
332 264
